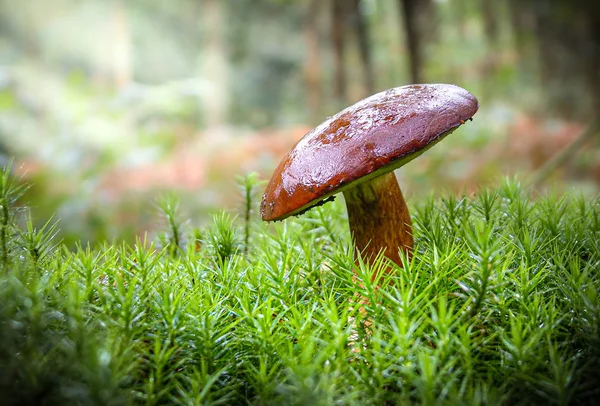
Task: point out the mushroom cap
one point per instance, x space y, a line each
372 137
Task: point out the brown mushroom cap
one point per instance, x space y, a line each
372 137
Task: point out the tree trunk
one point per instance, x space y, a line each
415 20
338 18
214 64
312 65
565 35
359 24
522 22
489 12
122 65
569 54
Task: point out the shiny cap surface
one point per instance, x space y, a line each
374 136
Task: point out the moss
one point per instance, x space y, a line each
499 305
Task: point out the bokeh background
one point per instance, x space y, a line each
106 104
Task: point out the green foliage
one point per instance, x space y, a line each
223 238
247 186
168 205
498 305
10 192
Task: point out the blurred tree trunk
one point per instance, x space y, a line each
338 19
112 66
594 45
522 20
417 18
564 37
489 13
567 34
312 65
214 64
122 65
359 24
460 10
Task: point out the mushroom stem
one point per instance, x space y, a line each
379 219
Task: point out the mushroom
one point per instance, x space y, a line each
356 152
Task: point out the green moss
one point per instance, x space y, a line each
498 306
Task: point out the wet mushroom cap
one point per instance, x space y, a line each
370 138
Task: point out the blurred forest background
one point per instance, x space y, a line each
105 104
